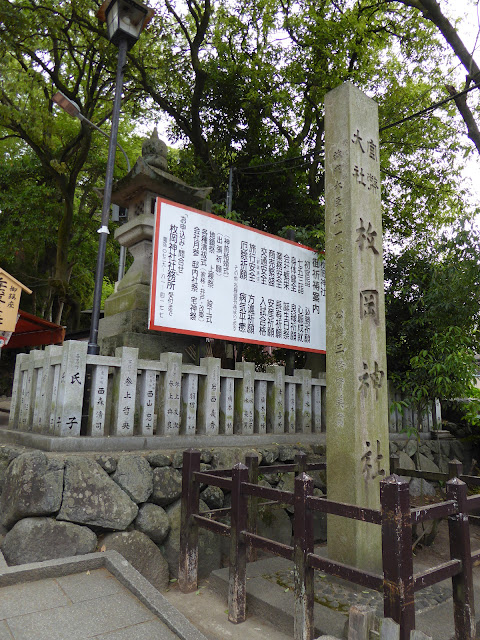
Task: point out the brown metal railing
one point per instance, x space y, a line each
398 582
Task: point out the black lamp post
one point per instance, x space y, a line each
125 21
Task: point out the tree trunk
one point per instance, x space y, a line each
62 266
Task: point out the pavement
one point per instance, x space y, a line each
99 595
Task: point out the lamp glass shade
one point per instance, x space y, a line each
66 104
125 20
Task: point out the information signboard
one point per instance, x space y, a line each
216 278
10 292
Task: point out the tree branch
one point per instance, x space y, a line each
473 131
431 11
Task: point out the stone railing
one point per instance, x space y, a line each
134 397
403 420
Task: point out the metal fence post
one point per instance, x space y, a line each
303 545
394 463
188 560
251 461
237 590
398 584
462 583
455 469
301 462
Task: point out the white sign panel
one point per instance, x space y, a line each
213 277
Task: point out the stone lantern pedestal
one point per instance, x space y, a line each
125 318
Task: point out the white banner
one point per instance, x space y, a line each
216 278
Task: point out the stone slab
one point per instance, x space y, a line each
27 598
136 443
272 603
152 630
88 585
81 620
102 611
4 631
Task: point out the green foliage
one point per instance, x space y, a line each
446 366
51 163
446 370
242 85
107 290
432 319
428 291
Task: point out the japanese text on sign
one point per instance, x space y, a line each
225 280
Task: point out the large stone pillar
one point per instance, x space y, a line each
357 403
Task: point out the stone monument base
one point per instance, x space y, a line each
133 298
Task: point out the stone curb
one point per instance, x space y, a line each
140 443
123 572
151 443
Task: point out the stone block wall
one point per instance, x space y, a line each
55 505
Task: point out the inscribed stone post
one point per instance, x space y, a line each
98 395
260 406
16 392
71 384
209 398
170 395
188 425
125 391
227 414
276 400
244 399
357 403
148 385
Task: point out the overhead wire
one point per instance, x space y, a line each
300 165
432 107
305 158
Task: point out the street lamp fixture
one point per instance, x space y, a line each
72 108
125 19
69 106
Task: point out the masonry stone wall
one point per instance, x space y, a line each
56 505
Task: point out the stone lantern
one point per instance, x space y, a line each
125 318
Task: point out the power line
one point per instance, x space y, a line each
256 170
300 165
432 107
304 157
